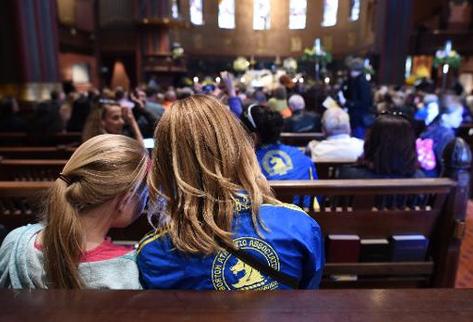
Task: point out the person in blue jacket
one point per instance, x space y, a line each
220 226
277 161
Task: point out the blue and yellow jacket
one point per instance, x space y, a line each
283 162
291 244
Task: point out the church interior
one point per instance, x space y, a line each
314 156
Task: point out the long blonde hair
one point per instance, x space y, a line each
99 170
202 159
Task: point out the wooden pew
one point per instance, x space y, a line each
21 202
348 207
433 305
30 170
329 169
301 139
48 169
379 208
40 139
58 152
360 207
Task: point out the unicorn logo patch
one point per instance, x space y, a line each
276 162
230 273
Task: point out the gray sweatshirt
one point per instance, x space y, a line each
21 265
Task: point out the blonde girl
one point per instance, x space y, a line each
102 186
224 229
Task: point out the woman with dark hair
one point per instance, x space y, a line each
389 151
277 161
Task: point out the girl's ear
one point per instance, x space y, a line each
122 201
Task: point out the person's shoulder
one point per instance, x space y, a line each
313 144
291 149
15 235
356 140
297 152
153 239
288 217
286 210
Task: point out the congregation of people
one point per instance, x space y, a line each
205 186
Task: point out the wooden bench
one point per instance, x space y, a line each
21 203
301 139
58 152
433 305
40 139
435 216
356 207
30 170
13 169
435 208
329 169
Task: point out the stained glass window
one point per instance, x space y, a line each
226 14
330 13
355 10
261 14
197 17
297 14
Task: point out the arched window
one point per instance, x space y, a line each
261 14
355 7
226 14
197 17
297 14
330 13
175 9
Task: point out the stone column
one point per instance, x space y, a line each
393 28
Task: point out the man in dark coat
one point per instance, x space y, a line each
359 100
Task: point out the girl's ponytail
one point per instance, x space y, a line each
63 240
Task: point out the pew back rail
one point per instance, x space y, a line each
30 170
435 218
379 209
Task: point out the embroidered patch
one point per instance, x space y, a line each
276 162
230 273
241 202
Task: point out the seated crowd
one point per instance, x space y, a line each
215 148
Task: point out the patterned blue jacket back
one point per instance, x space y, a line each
291 243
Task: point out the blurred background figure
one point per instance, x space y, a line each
338 145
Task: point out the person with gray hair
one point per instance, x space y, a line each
301 120
338 145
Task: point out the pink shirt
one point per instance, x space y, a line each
105 251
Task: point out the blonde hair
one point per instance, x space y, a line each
203 158
99 170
